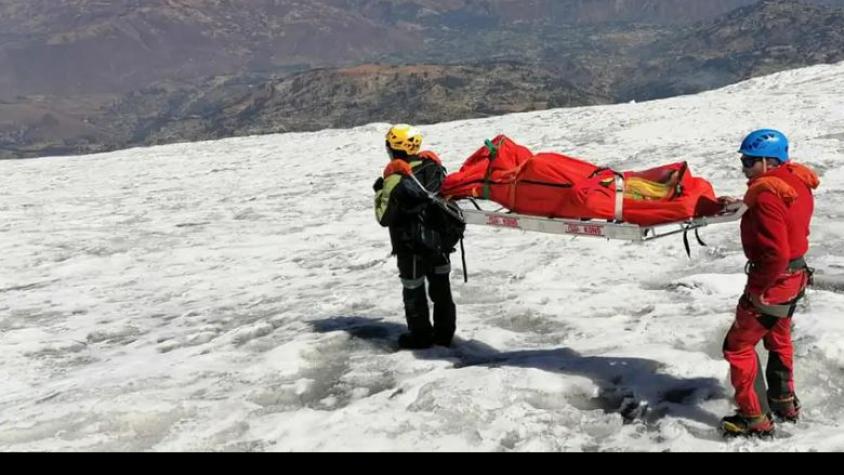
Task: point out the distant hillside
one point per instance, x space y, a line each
232 70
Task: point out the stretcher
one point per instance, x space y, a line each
475 214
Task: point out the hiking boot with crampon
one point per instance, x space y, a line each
745 426
786 409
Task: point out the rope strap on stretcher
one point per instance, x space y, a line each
619 197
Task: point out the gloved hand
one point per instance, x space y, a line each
729 203
378 185
728 200
398 166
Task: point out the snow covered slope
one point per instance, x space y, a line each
238 295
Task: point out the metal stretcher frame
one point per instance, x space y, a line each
593 227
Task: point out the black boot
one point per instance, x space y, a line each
445 313
443 340
410 341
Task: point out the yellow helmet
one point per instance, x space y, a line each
405 138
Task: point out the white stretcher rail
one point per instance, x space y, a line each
594 227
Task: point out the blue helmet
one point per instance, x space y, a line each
768 143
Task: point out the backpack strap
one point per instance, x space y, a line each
463 258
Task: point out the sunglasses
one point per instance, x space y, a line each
748 162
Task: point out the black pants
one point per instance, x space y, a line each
413 270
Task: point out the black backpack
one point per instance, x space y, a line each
440 227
